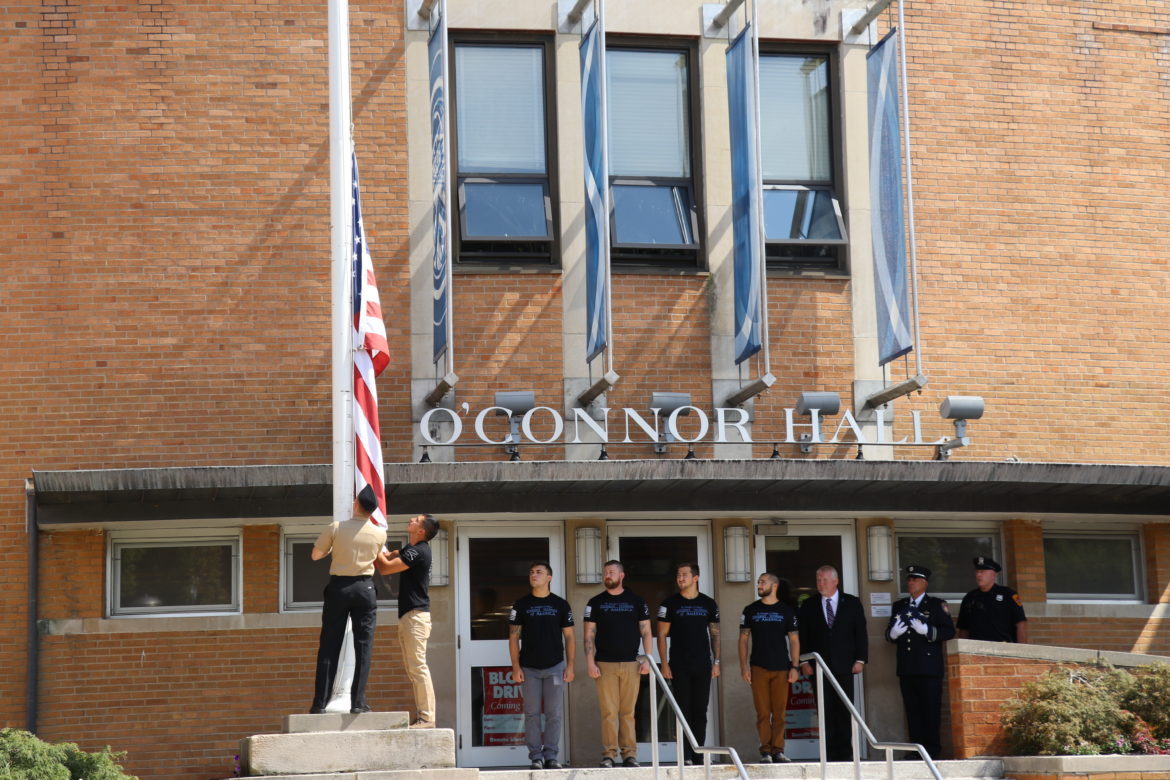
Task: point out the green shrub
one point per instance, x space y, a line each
1149 699
1089 710
24 757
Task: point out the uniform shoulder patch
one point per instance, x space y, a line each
1016 598
946 608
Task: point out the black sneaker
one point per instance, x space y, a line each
537 763
552 763
779 758
630 762
765 758
316 710
606 763
359 709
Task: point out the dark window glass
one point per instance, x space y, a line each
498 209
176 577
948 558
800 214
649 214
1092 567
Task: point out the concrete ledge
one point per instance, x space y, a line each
344 721
799 770
348 751
1053 765
1050 653
397 774
151 624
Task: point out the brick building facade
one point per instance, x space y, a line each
166 348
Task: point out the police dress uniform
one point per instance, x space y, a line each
921 662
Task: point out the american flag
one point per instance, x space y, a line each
370 358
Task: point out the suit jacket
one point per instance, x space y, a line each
847 641
922 656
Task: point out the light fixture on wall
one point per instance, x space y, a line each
588 555
879 541
737 552
440 572
822 404
667 404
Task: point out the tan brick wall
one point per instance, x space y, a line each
1024 547
1156 541
978 687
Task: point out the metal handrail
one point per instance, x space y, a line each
857 721
683 729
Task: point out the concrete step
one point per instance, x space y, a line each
394 774
339 721
975 769
331 752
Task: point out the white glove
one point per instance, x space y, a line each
918 626
898 628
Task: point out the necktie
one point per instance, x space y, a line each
829 614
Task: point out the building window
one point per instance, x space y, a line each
174 575
947 555
654 213
1092 567
305 579
803 226
503 187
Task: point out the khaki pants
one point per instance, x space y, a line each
617 695
414 628
770 697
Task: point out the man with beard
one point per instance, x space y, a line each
615 621
691 620
770 627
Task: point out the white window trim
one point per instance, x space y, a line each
947 528
299 535
173 538
1137 551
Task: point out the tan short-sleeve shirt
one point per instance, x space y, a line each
353 544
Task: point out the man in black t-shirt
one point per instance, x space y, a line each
414 610
540 642
992 612
770 627
615 621
691 620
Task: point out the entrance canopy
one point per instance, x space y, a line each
118 495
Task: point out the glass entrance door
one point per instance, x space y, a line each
492 573
795 557
650 554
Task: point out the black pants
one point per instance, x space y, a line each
839 740
922 698
346 597
692 691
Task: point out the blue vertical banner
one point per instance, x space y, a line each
887 225
746 192
596 190
440 184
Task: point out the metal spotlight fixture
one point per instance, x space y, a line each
667 404
959 408
816 405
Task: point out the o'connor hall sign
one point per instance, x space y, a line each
443 426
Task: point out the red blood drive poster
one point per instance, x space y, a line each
503 707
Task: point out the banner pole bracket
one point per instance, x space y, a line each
445 385
741 396
607 380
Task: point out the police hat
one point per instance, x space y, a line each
982 562
918 571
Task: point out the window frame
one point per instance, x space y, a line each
638 257
839 264
301 535
492 253
1137 553
118 541
945 530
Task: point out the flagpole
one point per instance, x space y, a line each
341 238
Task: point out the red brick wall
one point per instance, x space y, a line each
978 687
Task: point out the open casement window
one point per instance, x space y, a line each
948 554
170 575
653 204
305 579
503 185
803 226
1093 567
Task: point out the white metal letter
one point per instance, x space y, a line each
641 423
672 424
558 424
582 416
790 426
479 431
424 427
722 424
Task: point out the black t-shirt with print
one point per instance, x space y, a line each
770 625
541 621
689 619
413 584
617 617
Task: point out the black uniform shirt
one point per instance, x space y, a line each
617 618
991 616
770 625
413 584
690 644
541 621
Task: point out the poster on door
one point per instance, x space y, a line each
503 707
800 721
